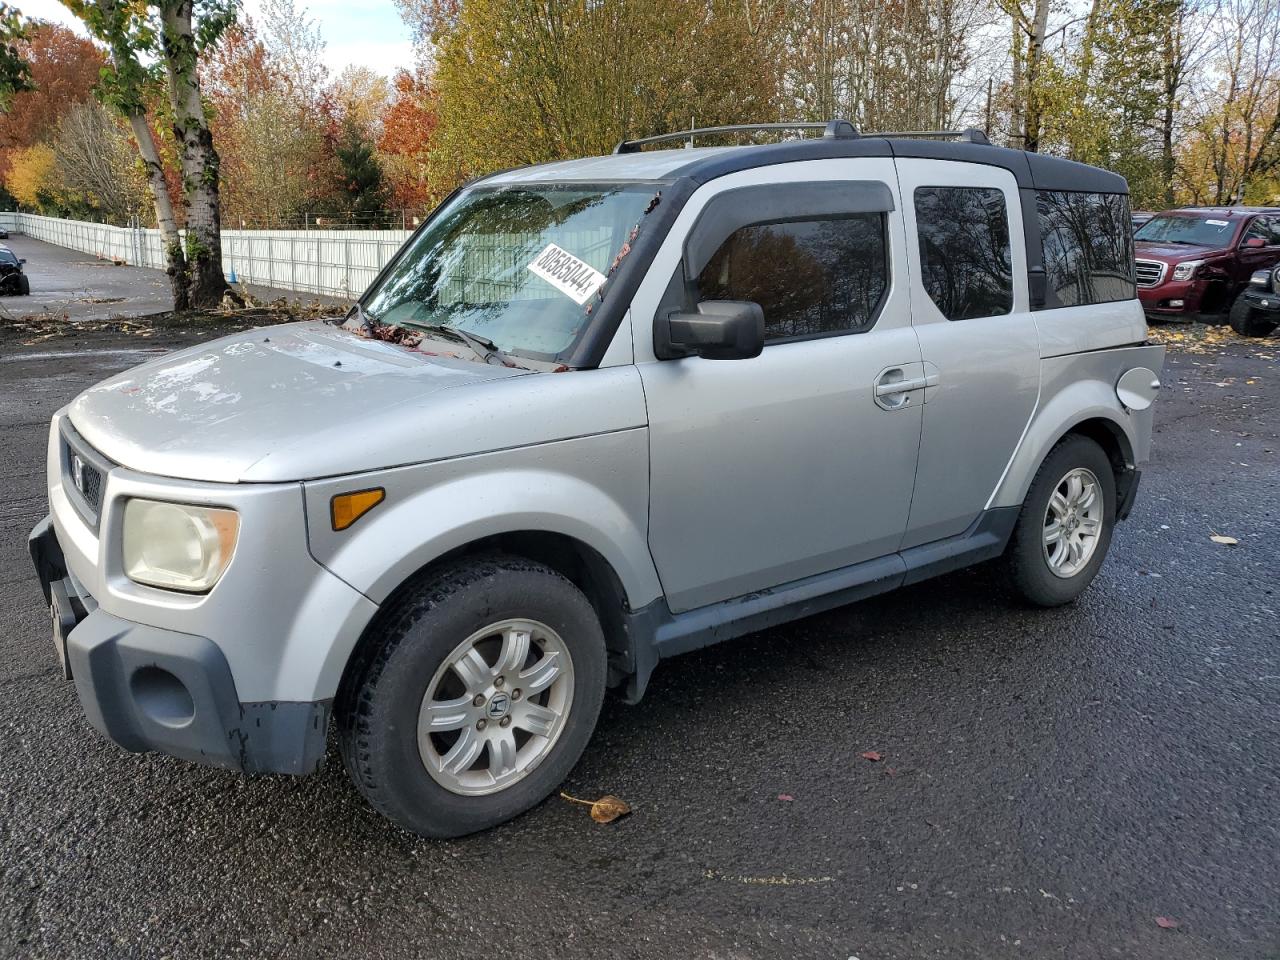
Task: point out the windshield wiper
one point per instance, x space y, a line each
358 312
482 347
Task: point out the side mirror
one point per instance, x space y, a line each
22 259
720 330
1254 242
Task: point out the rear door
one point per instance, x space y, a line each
799 461
978 338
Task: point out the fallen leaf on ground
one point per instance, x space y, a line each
605 810
871 755
1166 923
1227 541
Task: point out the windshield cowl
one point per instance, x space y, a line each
431 344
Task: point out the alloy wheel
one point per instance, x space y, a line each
1073 522
495 707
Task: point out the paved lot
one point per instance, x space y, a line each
80 286
1052 781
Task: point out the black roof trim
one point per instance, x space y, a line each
1034 171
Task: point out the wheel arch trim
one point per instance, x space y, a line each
1088 408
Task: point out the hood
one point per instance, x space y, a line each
213 411
1175 252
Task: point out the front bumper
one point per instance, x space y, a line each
147 688
1160 301
1267 303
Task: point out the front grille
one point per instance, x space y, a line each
1150 273
84 472
88 480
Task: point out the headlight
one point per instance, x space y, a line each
1259 278
178 546
1186 270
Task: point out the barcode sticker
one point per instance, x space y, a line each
575 278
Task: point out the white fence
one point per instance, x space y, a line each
339 263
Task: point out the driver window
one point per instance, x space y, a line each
1264 229
811 277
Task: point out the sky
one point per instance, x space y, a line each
367 33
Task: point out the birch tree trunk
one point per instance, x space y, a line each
175 258
199 159
118 24
1033 117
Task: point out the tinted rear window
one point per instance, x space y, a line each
1088 247
964 250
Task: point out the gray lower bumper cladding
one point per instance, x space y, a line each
148 689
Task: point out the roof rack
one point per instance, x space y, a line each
832 130
968 135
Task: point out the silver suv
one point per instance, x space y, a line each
593 415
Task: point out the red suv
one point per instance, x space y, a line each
1197 260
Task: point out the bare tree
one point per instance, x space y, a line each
97 161
1237 114
294 42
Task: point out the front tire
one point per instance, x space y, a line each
24 285
1247 321
1064 528
477 699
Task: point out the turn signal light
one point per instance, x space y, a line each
346 508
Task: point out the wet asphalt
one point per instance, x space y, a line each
1051 782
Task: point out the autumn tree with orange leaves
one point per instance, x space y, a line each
63 72
407 131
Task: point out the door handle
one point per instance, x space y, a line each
889 388
893 388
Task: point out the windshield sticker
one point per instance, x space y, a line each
575 278
1219 223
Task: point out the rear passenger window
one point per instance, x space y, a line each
964 250
1088 247
810 277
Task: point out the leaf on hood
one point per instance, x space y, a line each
605 810
786 797
1166 923
872 755
1226 541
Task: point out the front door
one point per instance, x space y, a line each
799 461
1254 256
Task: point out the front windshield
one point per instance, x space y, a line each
519 266
1194 231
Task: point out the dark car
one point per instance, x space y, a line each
1256 311
12 279
1193 263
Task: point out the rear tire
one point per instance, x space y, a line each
418 695
1062 534
1247 321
